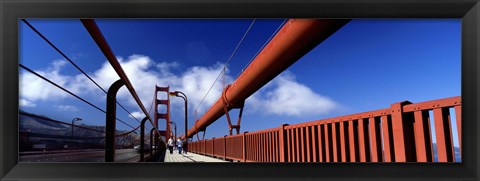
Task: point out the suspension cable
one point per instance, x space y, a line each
73 63
151 105
259 50
78 97
225 65
263 46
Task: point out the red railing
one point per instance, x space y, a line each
219 147
400 133
209 147
232 144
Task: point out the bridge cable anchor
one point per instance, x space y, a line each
226 106
204 130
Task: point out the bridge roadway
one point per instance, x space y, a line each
189 157
122 155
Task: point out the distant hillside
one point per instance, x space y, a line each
43 126
40 124
27 122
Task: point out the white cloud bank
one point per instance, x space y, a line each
138 114
33 88
25 103
283 96
67 108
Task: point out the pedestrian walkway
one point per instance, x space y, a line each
189 157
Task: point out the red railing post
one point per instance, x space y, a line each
267 150
281 142
225 147
458 114
289 145
327 142
314 143
423 139
363 140
387 138
297 142
402 144
272 148
343 143
213 147
244 146
302 146
443 131
308 136
255 147
352 141
321 143
334 142
375 139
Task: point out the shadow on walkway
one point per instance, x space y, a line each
159 157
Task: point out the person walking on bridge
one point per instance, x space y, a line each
170 145
179 146
185 146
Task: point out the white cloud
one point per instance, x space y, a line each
282 96
139 70
33 88
26 103
143 73
197 81
166 66
67 108
285 96
138 114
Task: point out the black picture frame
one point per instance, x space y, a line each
11 11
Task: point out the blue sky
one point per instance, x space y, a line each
366 65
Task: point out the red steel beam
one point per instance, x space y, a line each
295 39
97 35
428 105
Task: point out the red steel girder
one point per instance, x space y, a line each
102 43
295 39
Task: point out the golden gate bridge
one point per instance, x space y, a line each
399 133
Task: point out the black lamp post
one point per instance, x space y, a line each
182 95
175 135
73 121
